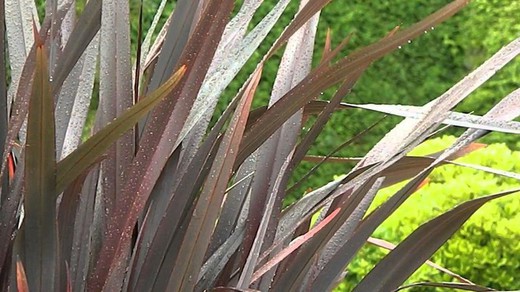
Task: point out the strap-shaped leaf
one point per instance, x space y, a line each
453 118
196 240
390 246
198 234
40 241
90 151
84 31
457 286
323 77
401 262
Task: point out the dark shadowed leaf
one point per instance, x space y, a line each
390 246
401 262
164 219
455 286
183 22
4 114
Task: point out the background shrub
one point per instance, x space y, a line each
485 250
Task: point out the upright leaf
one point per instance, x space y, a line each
160 137
198 234
19 28
40 246
294 66
115 95
4 113
84 31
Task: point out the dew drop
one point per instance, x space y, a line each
399 47
409 41
432 28
425 31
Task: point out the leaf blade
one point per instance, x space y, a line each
401 262
40 241
76 162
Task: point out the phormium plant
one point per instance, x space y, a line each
159 198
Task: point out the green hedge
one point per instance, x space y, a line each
485 250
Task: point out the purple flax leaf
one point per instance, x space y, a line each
412 252
322 78
390 246
295 65
458 286
88 153
40 246
198 234
158 139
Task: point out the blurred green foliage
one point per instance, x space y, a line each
485 250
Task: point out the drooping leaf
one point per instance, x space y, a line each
453 118
406 136
409 130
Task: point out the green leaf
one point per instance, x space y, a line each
89 152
